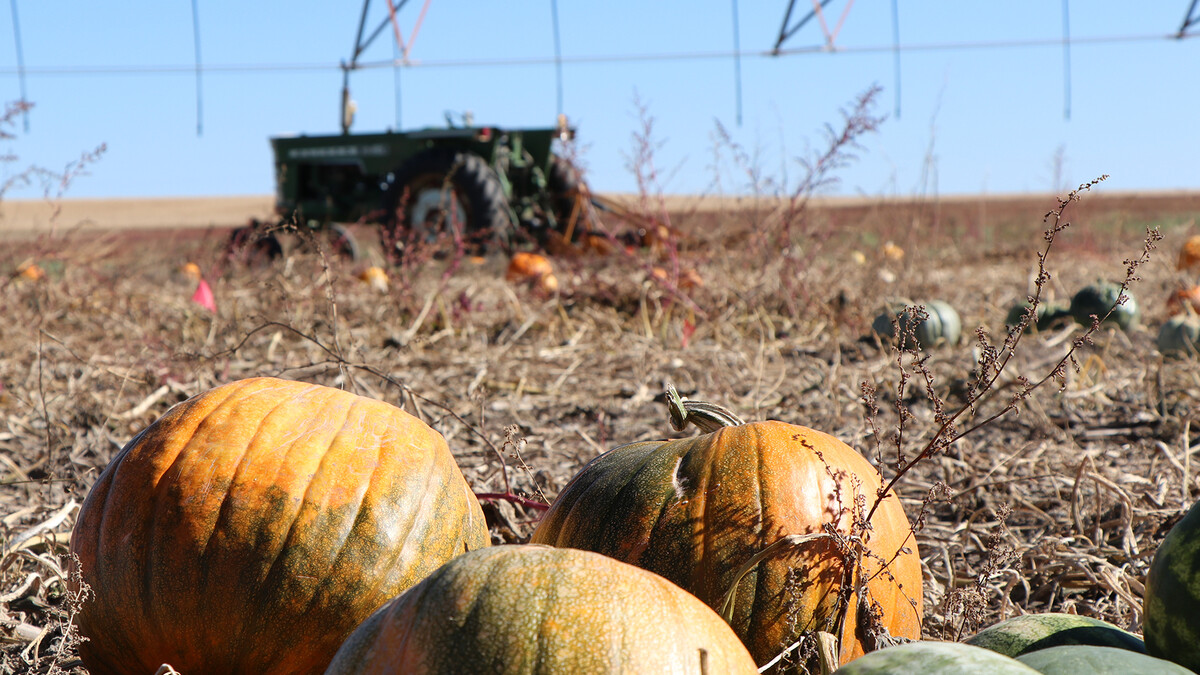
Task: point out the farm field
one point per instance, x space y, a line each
1056 506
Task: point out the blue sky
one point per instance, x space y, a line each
986 119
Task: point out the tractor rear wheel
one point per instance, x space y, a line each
442 192
563 183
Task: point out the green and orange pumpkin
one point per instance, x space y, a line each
935 658
1104 298
758 520
1180 335
1094 660
251 528
1032 632
527 609
941 325
1171 606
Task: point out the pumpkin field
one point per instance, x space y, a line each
1026 473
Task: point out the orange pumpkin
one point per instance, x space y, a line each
251 528
374 277
548 284
527 266
191 272
536 609
1184 298
1189 253
709 513
688 277
30 271
893 252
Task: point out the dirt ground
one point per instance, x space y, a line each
1056 507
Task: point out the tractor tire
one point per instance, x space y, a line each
343 244
253 244
564 183
443 191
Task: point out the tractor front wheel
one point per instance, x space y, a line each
445 195
253 243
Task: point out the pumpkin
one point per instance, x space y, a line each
1031 632
743 508
893 252
687 280
374 277
1189 253
527 266
1179 334
1098 298
935 658
1092 660
535 609
30 271
191 272
1184 300
547 284
942 325
252 527
1171 604
533 269
1048 315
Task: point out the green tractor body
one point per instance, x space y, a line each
482 180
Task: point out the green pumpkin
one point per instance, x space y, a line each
527 609
1090 660
1171 612
934 658
942 326
1049 315
1097 298
1180 334
1032 632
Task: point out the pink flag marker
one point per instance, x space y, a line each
204 297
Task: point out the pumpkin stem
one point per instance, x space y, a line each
827 652
708 417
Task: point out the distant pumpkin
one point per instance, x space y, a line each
893 252
527 267
1184 298
374 277
547 283
32 272
191 271
1098 298
534 270
598 244
688 277
942 324
1189 253
1179 335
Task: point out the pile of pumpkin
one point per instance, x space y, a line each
941 324
272 526
1181 332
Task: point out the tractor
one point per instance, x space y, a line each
486 185
479 186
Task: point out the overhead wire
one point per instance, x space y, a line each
16 22
505 62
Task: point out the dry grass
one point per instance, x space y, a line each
1057 508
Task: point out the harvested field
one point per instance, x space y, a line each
1058 506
